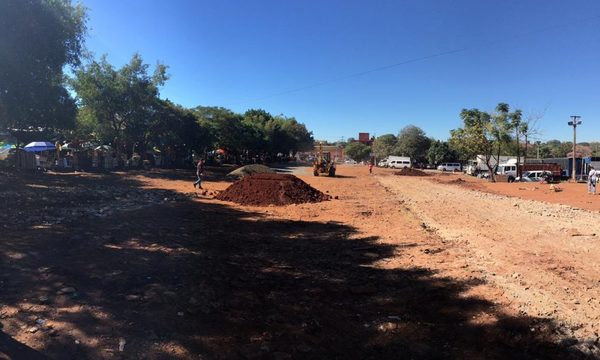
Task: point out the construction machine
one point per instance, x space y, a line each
323 164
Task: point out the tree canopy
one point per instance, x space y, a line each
439 152
357 151
39 37
254 133
484 134
120 104
383 146
412 142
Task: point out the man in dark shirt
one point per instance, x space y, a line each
199 173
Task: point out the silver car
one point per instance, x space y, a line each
534 176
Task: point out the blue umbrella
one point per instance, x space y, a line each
39 146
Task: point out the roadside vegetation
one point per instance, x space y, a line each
96 102
121 107
280 264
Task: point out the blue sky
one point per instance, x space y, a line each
304 58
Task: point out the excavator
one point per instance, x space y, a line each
323 164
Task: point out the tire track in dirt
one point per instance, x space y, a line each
544 256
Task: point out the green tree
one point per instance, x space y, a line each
440 152
177 131
384 145
475 137
357 151
233 135
276 135
38 38
516 120
120 102
564 148
595 146
300 138
412 142
231 132
500 127
254 133
258 116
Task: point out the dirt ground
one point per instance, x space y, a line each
139 265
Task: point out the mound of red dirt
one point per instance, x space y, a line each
271 189
410 172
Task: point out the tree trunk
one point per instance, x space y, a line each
488 162
499 152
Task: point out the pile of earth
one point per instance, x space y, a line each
271 189
410 172
251 169
457 181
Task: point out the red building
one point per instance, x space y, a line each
364 138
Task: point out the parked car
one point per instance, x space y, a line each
535 176
449 167
350 162
382 163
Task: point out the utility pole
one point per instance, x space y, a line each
538 143
574 122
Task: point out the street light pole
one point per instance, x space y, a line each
574 122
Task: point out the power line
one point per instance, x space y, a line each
345 77
421 58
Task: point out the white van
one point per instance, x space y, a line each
509 169
449 167
399 162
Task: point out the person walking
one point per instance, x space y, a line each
199 173
592 178
370 167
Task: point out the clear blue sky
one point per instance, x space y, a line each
542 56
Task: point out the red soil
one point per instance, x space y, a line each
411 172
271 189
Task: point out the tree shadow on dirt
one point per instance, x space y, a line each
188 278
212 173
12 349
338 176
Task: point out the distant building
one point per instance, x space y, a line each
337 152
364 138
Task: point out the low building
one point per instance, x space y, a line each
337 153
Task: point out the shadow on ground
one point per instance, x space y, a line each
12 349
188 278
212 173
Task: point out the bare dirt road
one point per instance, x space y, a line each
544 256
138 266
